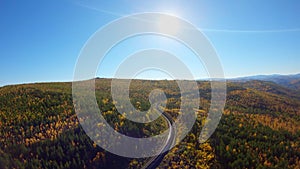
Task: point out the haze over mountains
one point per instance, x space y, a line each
289 81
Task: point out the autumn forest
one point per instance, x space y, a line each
259 128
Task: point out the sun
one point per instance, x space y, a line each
169 25
165 24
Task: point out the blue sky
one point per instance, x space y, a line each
41 40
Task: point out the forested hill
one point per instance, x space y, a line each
260 127
289 81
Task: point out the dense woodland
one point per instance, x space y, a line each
260 127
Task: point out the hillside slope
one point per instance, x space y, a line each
259 128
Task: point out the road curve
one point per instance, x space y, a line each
156 160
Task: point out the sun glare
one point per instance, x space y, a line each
167 25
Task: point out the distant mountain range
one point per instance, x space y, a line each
289 81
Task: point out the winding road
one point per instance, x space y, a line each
156 160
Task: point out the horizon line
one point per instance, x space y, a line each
158 79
